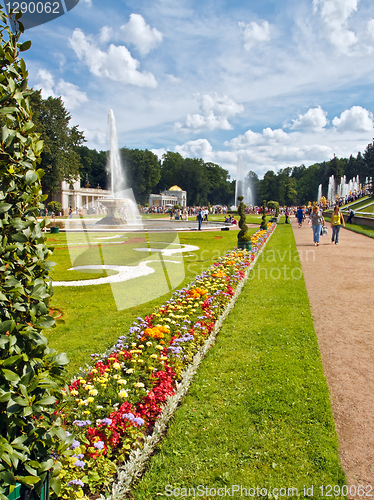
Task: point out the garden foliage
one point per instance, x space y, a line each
30 372
243 234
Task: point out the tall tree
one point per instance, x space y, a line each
60 161
142 170
369 161
269 186
93 167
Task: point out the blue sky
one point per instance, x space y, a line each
279 83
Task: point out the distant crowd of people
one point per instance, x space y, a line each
316 220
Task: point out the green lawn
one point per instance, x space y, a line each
94 316
359 203
258 412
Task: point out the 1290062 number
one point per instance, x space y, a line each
32 7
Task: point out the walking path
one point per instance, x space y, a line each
340 284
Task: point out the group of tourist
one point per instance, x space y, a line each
317 222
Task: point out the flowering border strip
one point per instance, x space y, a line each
138 458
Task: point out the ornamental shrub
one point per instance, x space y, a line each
243 226
30 372
263 218
54 206
274 205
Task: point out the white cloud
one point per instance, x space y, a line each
159 152
268 136
88 2
335 15
70 93
273 149
140 34
215 111
116 64
356 119
201 148
314 119
371 27
96 136
254 33
106 34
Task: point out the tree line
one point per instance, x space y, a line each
65 157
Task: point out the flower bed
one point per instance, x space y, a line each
118 411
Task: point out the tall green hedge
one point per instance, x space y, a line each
30 372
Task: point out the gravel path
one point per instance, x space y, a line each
340 284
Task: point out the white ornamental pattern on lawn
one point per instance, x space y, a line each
124 273
168 275
127 272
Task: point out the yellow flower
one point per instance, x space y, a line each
159 347
138 384
90 399
93 392
149 344
130 370
132 361
121 381
153 356
123 394
74 392
93 370
116 366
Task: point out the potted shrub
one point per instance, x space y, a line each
244 238
31 374
55 207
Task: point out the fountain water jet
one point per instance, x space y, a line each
243 184
121 206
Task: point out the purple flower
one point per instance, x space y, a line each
79 463
74 444
139 421
99 445
76 482
68 433
106 421
81 423
129 416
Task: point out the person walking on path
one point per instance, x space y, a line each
317 221
200 218
287 214
351 215
300 216
337 220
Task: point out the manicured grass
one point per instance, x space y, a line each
258 412
91 320
360 228
359 203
